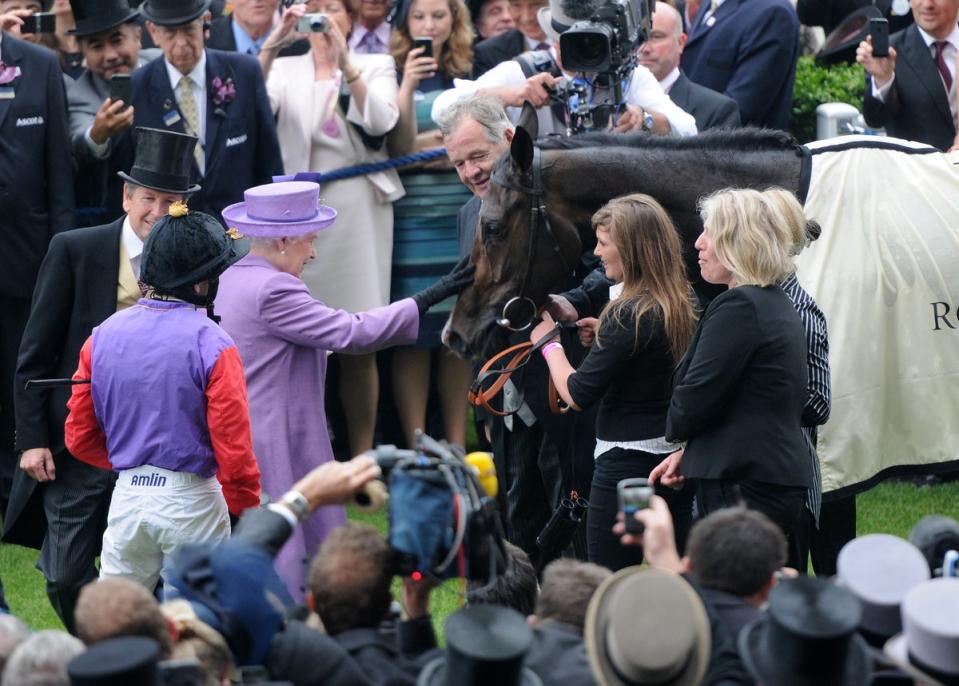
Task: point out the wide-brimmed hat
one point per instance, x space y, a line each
173 12
647 626
928 647
94 16
807 637
879 570
162 161
485 644
559 15
280 210
935 535
841 43
117 662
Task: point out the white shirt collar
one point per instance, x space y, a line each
359 31
952 38
531 44
670 79
615 290
131 242
197 76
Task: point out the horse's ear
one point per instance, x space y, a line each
521 150
529 121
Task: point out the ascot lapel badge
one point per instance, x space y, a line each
170 115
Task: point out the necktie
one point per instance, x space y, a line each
370 43
542 45
940 46
187 105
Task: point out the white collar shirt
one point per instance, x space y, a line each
132 245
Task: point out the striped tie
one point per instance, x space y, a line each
187 104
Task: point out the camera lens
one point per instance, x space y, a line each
587 49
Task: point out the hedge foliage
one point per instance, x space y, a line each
815 85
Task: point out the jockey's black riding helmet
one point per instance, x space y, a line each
186 248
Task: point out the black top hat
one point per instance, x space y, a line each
173 12
807 637
485 644
117 661
93 16
162 161
842 41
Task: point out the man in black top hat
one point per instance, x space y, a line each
220 97
109 39
59 504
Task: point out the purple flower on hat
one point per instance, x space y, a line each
8 74
224 92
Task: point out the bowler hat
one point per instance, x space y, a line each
879 570
117 662
93 16
842 41
928 647
163 161
280 210
647 626
173 12
485 644
807 637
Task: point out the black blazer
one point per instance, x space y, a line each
76 290
241 148
711 110
917 106
222 38
749 53
490 52
740 390
36 179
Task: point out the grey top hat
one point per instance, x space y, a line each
173 12
928 647
880 569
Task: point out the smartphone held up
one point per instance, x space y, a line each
634 495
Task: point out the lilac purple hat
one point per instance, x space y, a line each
280 210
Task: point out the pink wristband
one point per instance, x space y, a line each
552 345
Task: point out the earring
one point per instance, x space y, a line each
283 252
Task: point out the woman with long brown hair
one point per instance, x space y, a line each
642 334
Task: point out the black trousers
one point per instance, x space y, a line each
782 504
76 505
837 526
14 313
612 467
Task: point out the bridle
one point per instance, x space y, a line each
537 216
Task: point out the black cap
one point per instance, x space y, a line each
163 161
185 248
117 662
93 16
842 41
173 12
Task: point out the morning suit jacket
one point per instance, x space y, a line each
558 654
241 147
711 110
490 52
917 106
222 38
749 53
76 291
36 183
740 389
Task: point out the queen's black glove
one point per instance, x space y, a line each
459 278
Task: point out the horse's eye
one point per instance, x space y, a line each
491 229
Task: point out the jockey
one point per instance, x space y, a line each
166 405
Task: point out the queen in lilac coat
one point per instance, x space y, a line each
284 335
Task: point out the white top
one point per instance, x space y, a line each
132 244
949 54
643 90
198 81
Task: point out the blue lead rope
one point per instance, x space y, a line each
363 169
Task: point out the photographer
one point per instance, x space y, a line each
647 107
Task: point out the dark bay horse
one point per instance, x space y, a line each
575 177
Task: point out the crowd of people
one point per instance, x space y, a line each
175 281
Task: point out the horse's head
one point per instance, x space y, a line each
524 247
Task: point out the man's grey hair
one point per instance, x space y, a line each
13 632
485 110
42 660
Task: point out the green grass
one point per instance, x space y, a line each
889 508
